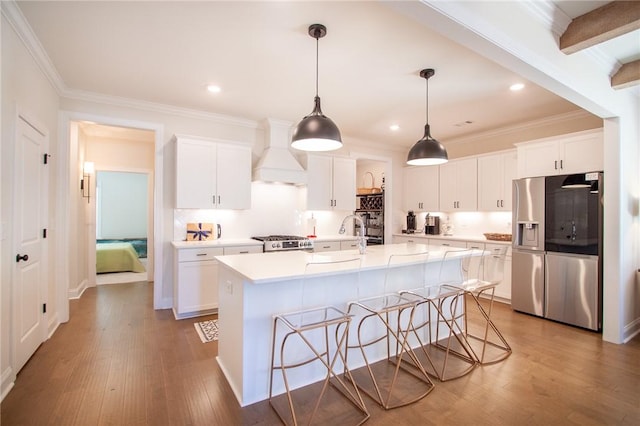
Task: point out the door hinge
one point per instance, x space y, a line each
46 158
44 308
44 233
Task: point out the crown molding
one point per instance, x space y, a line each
85 96
515 129
16 19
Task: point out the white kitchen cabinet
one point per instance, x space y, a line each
212 175
331 183
326 246
573 153
195 290
446 244
195 283
349 245
503 290
421 188
402 239
459 185
495 175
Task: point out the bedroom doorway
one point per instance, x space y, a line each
123 217
119 210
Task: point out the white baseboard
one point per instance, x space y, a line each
631 330
7 382
53 324
75 293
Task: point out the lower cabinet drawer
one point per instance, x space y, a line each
348 245
199 254
243 249
326 246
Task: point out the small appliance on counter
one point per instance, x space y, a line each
432 225
411 223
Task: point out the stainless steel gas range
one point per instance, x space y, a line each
285 242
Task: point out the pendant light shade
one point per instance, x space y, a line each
427 151
316 131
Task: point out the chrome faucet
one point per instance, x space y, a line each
362 241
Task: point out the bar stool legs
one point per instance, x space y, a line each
343 383
319 336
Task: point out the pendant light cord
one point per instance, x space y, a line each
427 102
317 56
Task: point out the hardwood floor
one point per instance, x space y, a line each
117 361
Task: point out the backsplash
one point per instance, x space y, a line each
275 209
470 223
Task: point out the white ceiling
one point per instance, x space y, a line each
262 57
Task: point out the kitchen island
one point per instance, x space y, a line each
254 287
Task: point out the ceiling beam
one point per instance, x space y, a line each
604 23
628 75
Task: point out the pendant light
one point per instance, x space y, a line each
316 131
427 151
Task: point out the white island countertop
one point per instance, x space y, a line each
260 268
220 242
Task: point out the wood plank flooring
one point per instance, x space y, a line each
119 362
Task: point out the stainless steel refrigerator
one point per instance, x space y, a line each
557 259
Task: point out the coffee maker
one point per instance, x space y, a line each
411 223
432 225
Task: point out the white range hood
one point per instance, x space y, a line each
277 163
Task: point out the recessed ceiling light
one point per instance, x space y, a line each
394 127
213 88
516 87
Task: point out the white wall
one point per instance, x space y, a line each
25 87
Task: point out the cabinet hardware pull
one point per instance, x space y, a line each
497 203
561 164
218 199
555 164
213 199
501 203
201 254
24 257
244 252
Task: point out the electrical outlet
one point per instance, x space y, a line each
229 287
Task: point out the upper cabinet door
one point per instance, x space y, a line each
320 182
195 174
344 183
331 183
212 175
233 177
459 185
495 174
421 188
578 152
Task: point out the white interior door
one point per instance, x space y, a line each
30 283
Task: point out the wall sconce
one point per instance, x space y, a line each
85 183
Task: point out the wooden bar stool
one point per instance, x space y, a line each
317 333
400 379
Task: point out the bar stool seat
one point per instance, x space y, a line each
316 334
400 379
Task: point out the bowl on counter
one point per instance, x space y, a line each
497 237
